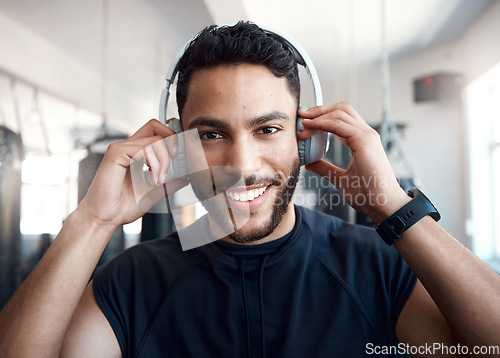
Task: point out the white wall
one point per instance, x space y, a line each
435 138
29 56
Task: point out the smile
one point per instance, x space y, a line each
247 195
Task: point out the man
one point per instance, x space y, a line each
289 282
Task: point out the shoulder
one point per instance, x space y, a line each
330 230
131 288
160 259
345 247
369 269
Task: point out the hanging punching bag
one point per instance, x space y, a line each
86 172
11 156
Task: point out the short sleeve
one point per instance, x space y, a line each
376 276
111 290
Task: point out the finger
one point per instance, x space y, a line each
334 115
156 129
146 199
141 142
156 157
326 170
153 164
153 128
131 149
163 157
336 126
306 134
344 106
337 114
171 143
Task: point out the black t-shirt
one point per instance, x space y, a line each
327 289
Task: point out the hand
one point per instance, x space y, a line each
119 193
368 184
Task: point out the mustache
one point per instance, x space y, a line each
261 181
229 180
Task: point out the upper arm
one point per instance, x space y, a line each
89 333
421 322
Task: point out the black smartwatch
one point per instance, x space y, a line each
394 226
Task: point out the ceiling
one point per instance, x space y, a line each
144 35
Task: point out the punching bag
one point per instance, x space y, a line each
11 156
86 172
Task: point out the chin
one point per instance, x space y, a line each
249 233
260 219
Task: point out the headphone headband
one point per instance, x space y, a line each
300 55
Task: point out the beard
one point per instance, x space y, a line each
218 206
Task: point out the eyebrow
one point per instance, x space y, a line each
208 122
223 125
268 118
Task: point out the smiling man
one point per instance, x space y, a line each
245 117
286 281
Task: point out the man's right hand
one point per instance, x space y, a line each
119 193
34 322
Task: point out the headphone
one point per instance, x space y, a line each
310 150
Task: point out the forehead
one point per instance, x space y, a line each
235 91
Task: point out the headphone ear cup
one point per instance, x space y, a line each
313 149
179 161
302 151
301 144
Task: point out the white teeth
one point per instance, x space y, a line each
249 195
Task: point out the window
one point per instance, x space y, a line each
44 193
483 131
53 132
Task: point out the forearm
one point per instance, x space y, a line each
34 321
466 291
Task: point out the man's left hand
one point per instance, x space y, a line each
368 183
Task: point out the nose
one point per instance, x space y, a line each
243 155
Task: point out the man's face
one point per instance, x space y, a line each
245 117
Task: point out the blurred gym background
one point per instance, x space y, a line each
78 75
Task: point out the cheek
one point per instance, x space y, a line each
289 150
202 183
283 159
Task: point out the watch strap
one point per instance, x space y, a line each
394 226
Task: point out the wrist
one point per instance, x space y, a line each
391 228
83 219
391 204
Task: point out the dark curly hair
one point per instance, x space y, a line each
244 42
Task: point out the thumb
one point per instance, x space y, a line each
158 192
327 170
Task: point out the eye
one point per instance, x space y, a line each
210 136
268 130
